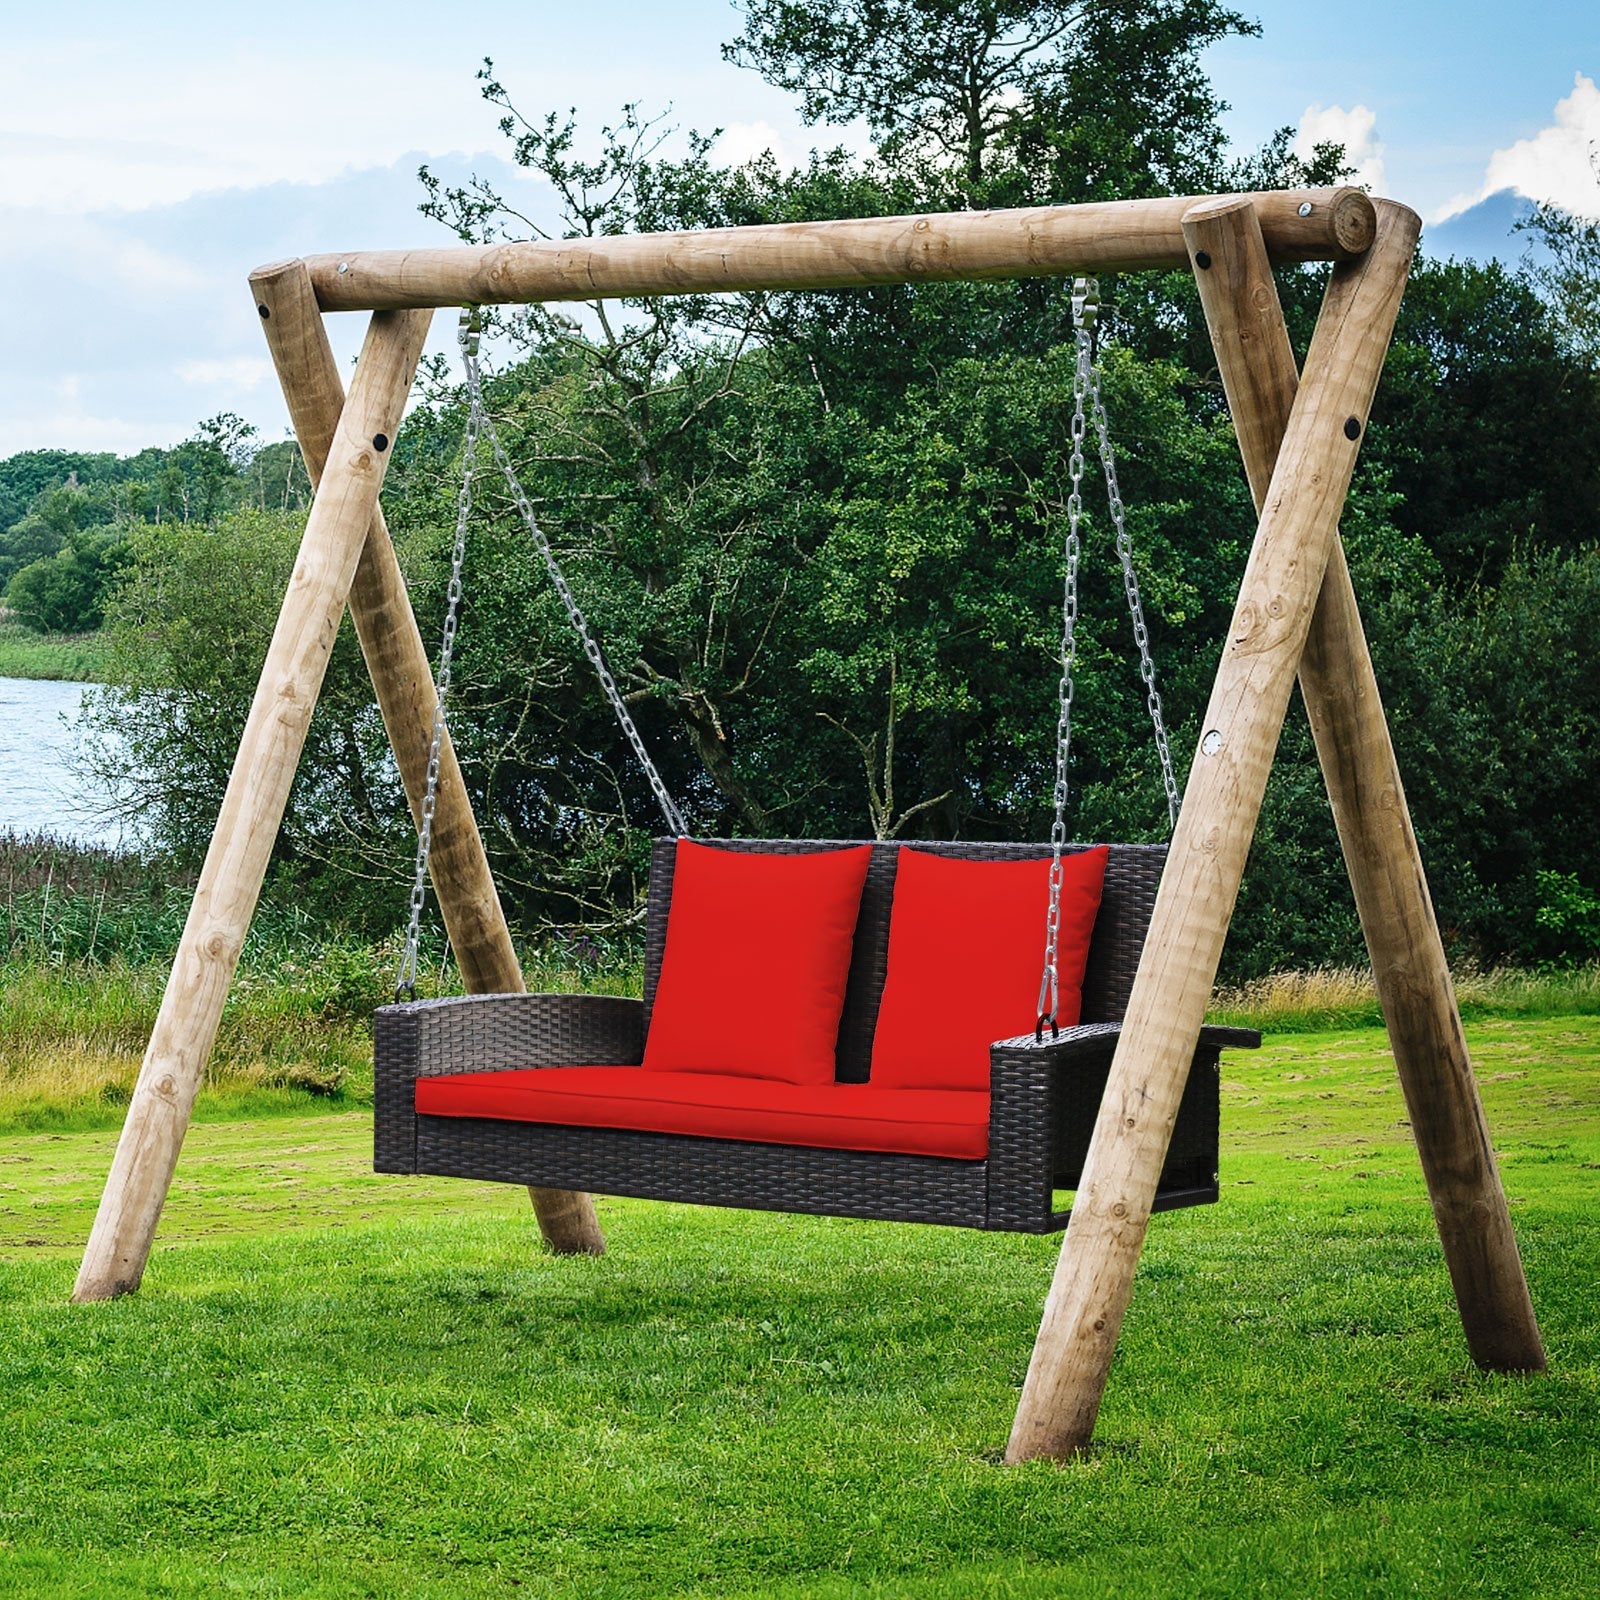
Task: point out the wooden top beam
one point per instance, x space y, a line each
1043 241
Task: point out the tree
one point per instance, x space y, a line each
1487 426
66 592
210 464
818 535
1502 719
32 474
1081 98
1570 279
186 633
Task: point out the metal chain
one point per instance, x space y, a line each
1085 299
480 424
406 982
1130 583
591 649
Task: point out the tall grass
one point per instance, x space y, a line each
87 938
69 657
1345 997
86 941
62 902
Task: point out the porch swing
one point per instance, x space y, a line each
1296 617
781 1057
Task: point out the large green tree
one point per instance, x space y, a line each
1087 99
186 631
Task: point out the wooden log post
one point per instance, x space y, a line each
252 809
402 678
1094 1277
1257 365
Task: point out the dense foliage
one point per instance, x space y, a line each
820 533
66 515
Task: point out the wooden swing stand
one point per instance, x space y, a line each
1296 614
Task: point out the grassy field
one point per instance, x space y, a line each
335 1384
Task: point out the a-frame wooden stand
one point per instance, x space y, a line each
1296 614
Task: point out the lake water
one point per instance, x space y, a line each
38 792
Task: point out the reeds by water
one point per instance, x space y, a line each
86 941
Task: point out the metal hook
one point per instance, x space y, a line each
1085 302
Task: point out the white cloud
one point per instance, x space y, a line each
122 329
740 142
744 141
82 430
241 372
245 119
1353 129
1559 164
146 110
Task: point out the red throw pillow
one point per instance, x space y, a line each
758 949
966 949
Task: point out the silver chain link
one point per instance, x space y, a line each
406 982
1130 584
479 424
1086 388
591 649
1085 299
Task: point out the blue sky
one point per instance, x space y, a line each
151 156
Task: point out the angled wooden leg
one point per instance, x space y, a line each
1380 848
402 677
1094 1276
252 809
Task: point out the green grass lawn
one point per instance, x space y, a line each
337 1384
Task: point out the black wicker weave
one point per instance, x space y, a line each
1044 1097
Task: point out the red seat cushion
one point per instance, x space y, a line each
966 948
753 975
834 1116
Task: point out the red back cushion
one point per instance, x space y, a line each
753 975
966 948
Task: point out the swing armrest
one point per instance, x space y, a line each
1090 1041
501 1032
1044 1097
487 1033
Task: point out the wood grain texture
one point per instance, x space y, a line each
1094 1276
1120 235
1380 849
252 809
402 677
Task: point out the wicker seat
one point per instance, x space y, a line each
1044 1097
